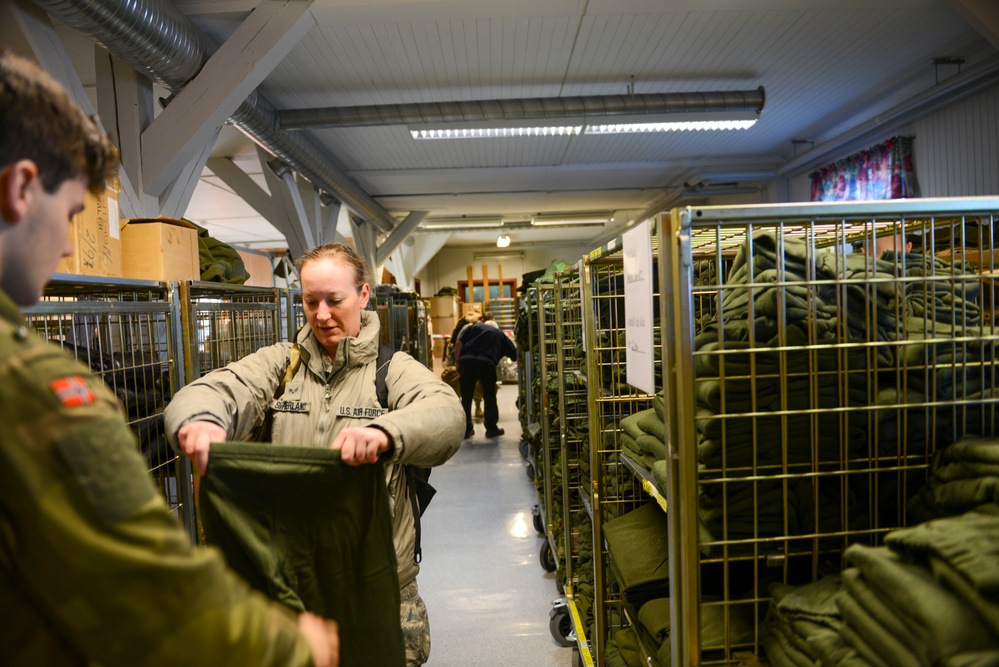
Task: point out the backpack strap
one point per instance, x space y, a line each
263 432
381 373
420 491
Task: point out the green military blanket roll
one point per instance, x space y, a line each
313 533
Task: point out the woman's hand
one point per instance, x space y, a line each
323 637
196 437
361 445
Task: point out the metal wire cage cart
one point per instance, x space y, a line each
224 323
614 488
123 330
550 471
570 624
808 386
403 319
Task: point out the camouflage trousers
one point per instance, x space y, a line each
415 626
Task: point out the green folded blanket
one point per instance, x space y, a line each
313 533
639 547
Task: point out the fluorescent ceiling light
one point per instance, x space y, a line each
590 125
553 220
490 132
444 224
503 241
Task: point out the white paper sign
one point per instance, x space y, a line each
640 353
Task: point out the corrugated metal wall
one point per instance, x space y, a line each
957 148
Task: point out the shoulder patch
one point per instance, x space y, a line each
73 391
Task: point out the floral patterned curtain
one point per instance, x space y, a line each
880 172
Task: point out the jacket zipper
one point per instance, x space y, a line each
325 414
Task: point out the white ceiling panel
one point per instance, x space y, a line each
826 66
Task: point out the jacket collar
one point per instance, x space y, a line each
9 310
352 351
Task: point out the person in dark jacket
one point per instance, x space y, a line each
479 349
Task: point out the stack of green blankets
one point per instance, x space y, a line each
930 596
963 477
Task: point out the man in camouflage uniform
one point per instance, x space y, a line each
93 567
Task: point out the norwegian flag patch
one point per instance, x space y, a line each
73 392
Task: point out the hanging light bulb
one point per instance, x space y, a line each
503 241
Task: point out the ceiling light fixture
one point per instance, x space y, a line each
599 125
446 224
560 220
503 241
546 116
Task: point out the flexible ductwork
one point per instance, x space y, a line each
156 39
523 109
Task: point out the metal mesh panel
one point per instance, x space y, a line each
292 313
812 387
615 489
227 323
122 331
550 470
504 312
573 429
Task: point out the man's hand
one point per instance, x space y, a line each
195 438
361 445
323 637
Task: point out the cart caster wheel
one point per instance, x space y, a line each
559 586
561 627
577 658
547 557
530 471
525 448
538 525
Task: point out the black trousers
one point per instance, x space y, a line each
472 371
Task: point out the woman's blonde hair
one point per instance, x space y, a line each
340 252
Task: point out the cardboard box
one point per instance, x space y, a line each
443 326
160 249
96 236
259 267
474 306
443 306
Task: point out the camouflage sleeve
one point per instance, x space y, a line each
93 546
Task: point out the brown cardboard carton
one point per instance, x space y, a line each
259 268
443 306
443 326
96 236
160 249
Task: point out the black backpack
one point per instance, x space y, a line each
420 490
417 478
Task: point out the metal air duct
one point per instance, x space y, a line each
158 40
594 106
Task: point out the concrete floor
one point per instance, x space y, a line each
487 596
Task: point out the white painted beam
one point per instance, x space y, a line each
197 113
174 200
287 215
399 234
29 32
244 187
125 104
